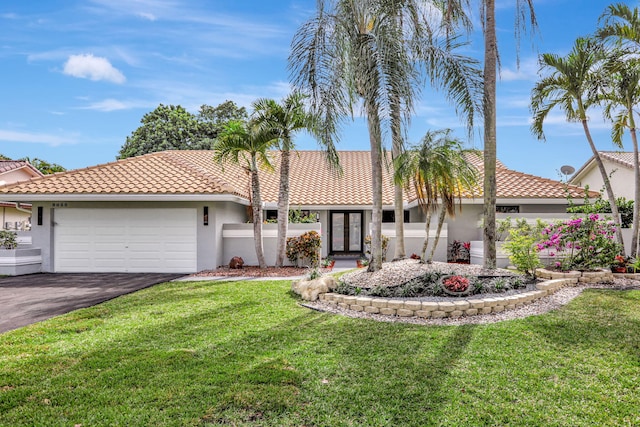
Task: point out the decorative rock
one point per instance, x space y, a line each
310 289
403 312
371 309
236 262
424 313
471 311
456 313
388 311
438 314
356 307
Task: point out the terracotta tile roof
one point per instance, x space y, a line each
167 172
624 158
511 184
10 165
314 183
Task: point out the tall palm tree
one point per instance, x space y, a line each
285 120
356 51
621 101
440 173
456 9
575 84
248 145
622 24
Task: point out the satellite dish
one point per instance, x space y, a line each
567 170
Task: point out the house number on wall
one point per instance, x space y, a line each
59 204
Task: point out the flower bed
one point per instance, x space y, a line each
454 307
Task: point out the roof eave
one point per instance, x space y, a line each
120 197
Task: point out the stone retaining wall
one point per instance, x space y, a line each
439 309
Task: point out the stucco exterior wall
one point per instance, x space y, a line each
621 178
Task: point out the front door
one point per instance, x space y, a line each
346 232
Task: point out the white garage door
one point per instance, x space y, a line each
125 240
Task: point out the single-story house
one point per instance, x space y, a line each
15 215
619 167
179 211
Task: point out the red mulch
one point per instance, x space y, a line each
254 271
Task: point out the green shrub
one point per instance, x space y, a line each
8 239
521 245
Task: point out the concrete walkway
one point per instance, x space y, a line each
35 297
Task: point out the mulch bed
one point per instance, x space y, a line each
253 271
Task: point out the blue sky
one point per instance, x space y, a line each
77 76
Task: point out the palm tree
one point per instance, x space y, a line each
440 173
620 107
357 51
622 24
247 145
455 9
284 120
575 84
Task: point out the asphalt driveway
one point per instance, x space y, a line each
35 297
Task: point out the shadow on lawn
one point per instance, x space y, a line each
597 319
258 357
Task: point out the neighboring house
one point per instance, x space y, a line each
177 211
16 216
619 167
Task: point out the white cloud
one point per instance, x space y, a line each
36 138
108 105
87 66
148 16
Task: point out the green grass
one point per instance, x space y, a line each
245 353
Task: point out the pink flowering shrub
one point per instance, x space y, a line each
456 283
581 243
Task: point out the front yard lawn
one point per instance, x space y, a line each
245 353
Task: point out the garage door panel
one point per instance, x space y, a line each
125 240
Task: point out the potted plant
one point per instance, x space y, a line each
459 252
633 265
362 262
455 285
619 264
328 262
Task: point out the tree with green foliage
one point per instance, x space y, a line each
285 120
574 86
439 173
247 145
45 167
171 127
357 52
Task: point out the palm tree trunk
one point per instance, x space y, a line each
376 190
607 185
490 143
398 198
425 244
441 217
256 206
283 207
635 250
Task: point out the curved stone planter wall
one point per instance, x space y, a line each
471 306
